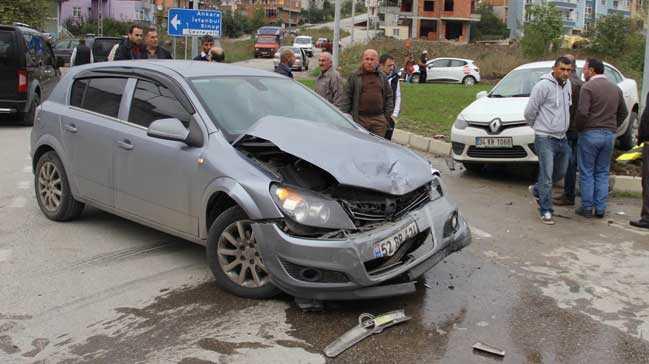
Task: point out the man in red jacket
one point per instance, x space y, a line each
643 137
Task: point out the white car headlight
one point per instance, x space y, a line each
310 209
460 123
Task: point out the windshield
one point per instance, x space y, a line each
519 83
302 40
236 103
265 39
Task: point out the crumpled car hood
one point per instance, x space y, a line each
352 157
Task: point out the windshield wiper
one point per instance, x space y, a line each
520 95
496 95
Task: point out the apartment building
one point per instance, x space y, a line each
444 20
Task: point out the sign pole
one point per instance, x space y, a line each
186 48
645 78
194 40
335 47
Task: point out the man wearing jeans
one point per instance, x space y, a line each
548 113
570 179
601 110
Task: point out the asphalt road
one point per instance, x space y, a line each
104 289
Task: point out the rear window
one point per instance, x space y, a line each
457 63
6 44
101 95
103 46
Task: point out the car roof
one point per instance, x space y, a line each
303 36
186 69
453 58
550 64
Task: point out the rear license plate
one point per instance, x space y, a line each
389 246
494 142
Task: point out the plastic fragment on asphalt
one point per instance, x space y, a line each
367 325
488 349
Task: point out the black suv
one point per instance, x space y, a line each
28 71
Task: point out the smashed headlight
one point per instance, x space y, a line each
309 208
436 190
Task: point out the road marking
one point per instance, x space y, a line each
24 185
18 203
629 229
5 254
480 233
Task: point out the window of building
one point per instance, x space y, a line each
76 12
448 5
589 11
603 2
102 95
395 32
616 4
429 6
152 102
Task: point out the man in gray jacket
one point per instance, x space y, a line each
548 113
329 84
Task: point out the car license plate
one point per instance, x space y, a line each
494 142
389 246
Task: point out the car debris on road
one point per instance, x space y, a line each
367 325
488 349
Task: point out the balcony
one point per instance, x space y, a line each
566 4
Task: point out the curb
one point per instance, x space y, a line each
441 148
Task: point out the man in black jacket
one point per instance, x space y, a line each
643 137
207 42
132 47
153 49
286 60
81 54
389 69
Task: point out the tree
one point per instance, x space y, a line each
29 12
610 35
258 19
490 25
543 30
346 8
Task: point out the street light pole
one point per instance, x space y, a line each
353 13
194 40
336 50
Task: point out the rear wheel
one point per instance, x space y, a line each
629 139
233 257
27 118
468 81
53 190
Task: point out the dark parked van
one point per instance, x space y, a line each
28 71
101 47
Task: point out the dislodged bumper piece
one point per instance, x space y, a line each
355 267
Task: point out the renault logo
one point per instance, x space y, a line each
495 125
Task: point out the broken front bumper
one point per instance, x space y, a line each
345 269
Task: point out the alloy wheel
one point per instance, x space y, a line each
239 258
50 188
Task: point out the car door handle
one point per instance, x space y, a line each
71 128
125 144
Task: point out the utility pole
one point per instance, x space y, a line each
353 13
336 48
100 20
194 40
645 78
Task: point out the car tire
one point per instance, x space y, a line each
225 250
474 167
50 180
629 139
27 117
469 81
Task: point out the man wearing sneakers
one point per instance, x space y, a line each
548 113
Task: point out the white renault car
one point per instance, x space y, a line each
493 130
452 70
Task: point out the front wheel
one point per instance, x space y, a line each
233 257
629 139
53 190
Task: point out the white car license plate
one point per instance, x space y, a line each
494 142
389 246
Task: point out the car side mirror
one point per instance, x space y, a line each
168 129
481 94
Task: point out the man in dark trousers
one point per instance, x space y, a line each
368 96
570 179
153 49
132 48
81 54
207 42
423 66
388 67
601 110
643 137
286 60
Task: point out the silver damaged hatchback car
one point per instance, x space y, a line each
286 193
